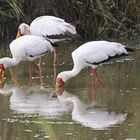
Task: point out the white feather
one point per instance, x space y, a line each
97 51
47 26
31 45
26 47
90 54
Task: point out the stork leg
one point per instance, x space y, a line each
14 77
54 70
93 79
94 93
95 88
54 59
54 64
39 70
39 61
37 67
94 73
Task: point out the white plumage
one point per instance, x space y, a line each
97 51
91 54
50 25
47 26
27 47
54 28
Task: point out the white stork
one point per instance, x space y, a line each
51 27
91 54
24 48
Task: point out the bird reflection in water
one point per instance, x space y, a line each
91 116
34 100
42 102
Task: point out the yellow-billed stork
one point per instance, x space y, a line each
51 27
91 54
24 48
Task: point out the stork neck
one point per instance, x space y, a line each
66 75
8 62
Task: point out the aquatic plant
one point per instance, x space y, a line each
93 18
10 13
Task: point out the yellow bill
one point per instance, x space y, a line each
2 70
18 34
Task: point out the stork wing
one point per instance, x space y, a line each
32 46
37 47
50 26
96 52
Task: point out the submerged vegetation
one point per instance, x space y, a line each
93 18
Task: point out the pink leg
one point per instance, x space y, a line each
54 60
30 68
37 68
93 79
54 69
54 63
96 87
95 91
97 76
39 61
14 77
39 71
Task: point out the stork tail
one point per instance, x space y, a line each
129 49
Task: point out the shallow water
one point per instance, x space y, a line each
83 111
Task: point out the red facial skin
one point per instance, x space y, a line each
59 86
59 82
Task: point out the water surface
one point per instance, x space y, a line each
83 111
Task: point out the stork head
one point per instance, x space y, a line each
2 70
59 85
23 29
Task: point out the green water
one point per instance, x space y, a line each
83 112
